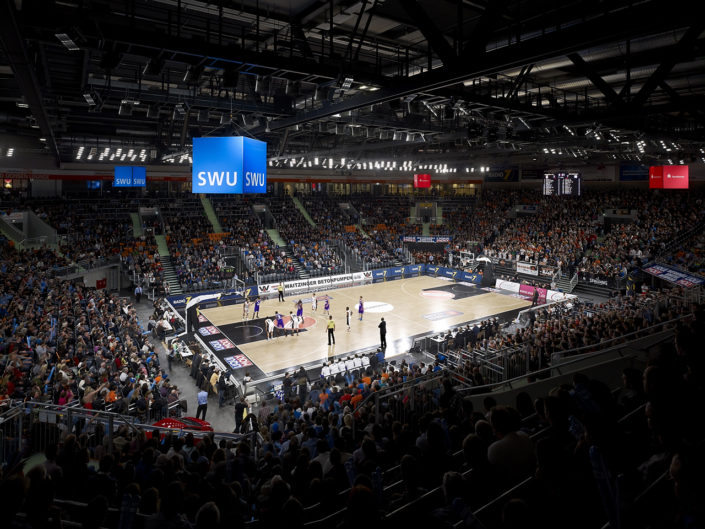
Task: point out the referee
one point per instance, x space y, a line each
331 330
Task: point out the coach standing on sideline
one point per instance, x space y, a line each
383 333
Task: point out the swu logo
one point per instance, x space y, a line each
123 181
255 179
215 178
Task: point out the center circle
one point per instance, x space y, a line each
256 332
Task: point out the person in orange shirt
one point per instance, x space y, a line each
356 399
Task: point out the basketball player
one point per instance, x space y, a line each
269 324
361 308
280 321
348 317
246 309
326 306
314 303
300 309
295 324
255 315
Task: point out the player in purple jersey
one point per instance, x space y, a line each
255 314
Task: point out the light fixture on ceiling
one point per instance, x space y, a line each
125 109
69 41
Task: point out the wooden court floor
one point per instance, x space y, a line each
409 306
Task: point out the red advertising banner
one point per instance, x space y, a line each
675 177
528 292
422 180
668 177
656 177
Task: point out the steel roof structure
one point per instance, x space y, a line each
500 82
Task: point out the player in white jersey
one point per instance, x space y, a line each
314 303
246 309
269 323
295 324
348 317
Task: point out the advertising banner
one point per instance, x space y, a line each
123 177
526 290
509 286
633 173
139 177
527 268
547 271
675 177
422 180
411 238
502 175
129 176
179 301
656 177
413 270
232 164
471 278
673 275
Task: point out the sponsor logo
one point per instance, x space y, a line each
208 331
202 318
221 345
596 281
231 164
237 361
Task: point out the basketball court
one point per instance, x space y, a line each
411 307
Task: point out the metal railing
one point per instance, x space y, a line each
39 424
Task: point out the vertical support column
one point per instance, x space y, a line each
257 28
330 26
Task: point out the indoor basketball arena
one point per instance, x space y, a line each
318 264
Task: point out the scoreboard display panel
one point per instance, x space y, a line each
560 184
550 184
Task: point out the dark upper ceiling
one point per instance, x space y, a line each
457 81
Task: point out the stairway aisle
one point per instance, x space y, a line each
300 270
170 275
211 214
136 225
168 265
303 211
276 238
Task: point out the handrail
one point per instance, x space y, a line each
508 383
576 349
